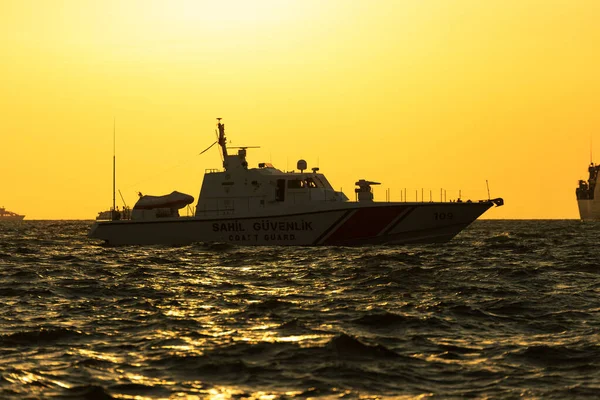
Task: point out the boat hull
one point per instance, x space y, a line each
589 209
12 218
349 225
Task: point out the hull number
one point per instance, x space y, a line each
439 216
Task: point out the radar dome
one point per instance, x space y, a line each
301 165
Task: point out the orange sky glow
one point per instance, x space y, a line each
431 96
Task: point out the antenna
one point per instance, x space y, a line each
121 194
488 188
114 168
205 150
591 159
221 138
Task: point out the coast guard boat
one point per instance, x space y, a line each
588 195
6 215
266 206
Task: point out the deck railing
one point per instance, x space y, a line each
429 195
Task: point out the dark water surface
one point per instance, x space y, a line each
507 309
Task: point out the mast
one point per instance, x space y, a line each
112 214
222 141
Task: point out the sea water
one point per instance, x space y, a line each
507 309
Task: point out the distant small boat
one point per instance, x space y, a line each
6 215
588 195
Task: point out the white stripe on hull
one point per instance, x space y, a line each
333 228
375 224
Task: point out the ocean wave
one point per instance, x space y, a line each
94 392
42 335
558 356
344 345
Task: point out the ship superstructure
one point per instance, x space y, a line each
6 215
238 189
588 195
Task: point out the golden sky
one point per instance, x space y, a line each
433 94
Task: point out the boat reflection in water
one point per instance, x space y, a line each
266 206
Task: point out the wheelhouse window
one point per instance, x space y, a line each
295 184
322 182
301 183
